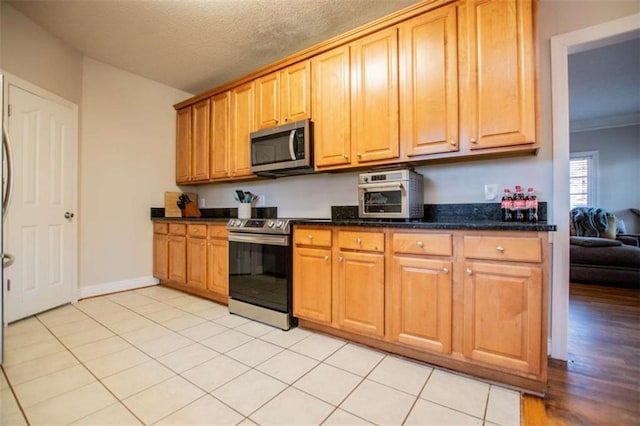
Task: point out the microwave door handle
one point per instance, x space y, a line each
292 136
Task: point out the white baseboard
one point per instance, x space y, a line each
116 286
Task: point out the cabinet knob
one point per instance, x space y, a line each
358 154
473 140
500 249
420 244
358 240
445 270
340 259
286 119
310 237
345 156
276 121
326 258
469 272
452 143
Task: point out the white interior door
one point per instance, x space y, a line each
43 240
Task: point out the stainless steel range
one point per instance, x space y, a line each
260 270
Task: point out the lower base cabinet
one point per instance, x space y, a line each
472 301
196 258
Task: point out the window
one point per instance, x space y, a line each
583 173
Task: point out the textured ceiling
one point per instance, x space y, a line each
197 45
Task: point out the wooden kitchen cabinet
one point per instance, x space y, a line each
359 301
312 288
197 255
497 60
421 291
242 119
177 253
220 136
503 299
283 96
218 261
183 145
161 250
331 108
429 82
374 97
200 124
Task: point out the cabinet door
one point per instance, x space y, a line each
429 83
241 126
501 74
220 136
218 266
197 262
374 96
360 292
268 101
161 256
421 294
503 315
295 92
183 145
331 108
312 284
177 259
200 125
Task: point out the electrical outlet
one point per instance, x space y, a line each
201 202
262 201
491 191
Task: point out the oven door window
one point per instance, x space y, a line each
383 200
259 274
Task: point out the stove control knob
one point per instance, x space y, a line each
270 223
279 224
237 223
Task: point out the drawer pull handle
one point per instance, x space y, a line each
420 244
310 237
500 249
445 270
453 143
326 258
469 272
358 240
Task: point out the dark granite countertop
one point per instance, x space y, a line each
478 225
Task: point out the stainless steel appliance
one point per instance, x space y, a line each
7 183
260 270
391 194
283 150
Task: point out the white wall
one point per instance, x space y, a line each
31 53
127 161
618 169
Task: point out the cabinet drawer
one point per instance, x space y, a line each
312 237
512 249
218 231
160 228
370 241
178 229
197 230
436 244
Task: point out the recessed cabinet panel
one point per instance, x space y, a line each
312 284
242 113
200 141
183 145
220 136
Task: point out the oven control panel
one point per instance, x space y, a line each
259 226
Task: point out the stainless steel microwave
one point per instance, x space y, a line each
283 150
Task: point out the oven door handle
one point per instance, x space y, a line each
273 240
370 186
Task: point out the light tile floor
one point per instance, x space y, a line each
158 356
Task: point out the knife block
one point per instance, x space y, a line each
171 208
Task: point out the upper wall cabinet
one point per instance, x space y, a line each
192 143
331 108
374 96
429 83
283 96
242 119
497 62
220 136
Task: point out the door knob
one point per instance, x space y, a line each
68 215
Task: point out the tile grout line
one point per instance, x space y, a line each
15 397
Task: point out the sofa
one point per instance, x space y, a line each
600 253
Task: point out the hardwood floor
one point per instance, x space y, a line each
600 382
